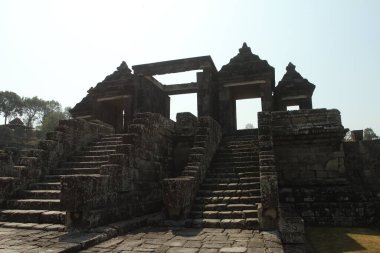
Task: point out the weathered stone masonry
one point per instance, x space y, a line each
200 170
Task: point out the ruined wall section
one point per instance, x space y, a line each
150 98
308 146
130 185
32 164
179 192
362 160
311 164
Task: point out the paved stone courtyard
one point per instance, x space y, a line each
186 240
17 240
147 239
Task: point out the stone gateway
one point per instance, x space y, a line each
121 157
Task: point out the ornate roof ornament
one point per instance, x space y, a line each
123 71
292 80
245 62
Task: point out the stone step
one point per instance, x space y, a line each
229 193
243 214
224 207
227 180
222 159
33 216
106 143
236 170
249 223
45 186
97 152
240 138
89 158
40 194
230 186
84 164
235 146
112 138
37 204
74 171
100 148
245 141
234 164
235 154
227 200
216 174
235 150
113 135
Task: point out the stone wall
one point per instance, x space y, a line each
268 211
313 179
150 98
345 205
179 192
69 136
130 185
308 146
362 160
185 129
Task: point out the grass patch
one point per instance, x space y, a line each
342 239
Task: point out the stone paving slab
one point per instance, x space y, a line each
29 240
191 240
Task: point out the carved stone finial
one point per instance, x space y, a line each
291 67
245 49
124 67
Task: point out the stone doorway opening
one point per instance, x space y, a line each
183 103
246 113
293 108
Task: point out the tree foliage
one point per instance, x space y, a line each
249 126
51 106
10 105
369 134
50 122
33 108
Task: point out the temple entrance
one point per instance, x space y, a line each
183 103
246 113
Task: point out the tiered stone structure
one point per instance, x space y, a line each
198 171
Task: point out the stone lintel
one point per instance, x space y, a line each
182 88
112 98
294 97
175 66
244 83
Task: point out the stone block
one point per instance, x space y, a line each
178 196
83 192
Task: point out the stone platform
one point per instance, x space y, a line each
146 239
191 240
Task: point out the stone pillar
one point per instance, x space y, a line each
266 97
227 111
306 104
268 175
205 96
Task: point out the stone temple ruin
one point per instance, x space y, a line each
122 157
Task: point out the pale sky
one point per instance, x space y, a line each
59 49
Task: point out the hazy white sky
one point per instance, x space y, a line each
59 49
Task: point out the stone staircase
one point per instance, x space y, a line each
230 192
40 203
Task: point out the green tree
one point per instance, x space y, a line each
33 108
10 105
249 126
369 134
50 122
51 106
